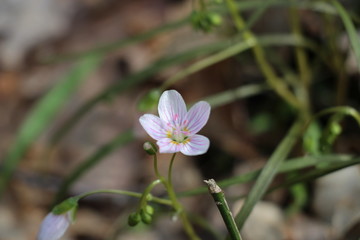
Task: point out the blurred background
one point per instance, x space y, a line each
91 47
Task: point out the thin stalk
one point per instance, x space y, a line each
176 204
302 62
156 169
219 198
180 211
127 193
335 58
170 169
147 192
273 80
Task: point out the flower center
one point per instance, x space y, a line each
179 135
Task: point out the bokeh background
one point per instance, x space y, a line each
43 41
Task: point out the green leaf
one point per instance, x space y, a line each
42 115
268 172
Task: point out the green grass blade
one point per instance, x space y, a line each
42 115
119 141
119 44
316 173
288 166
350 28
268 172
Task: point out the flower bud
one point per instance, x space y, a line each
145 217
150 148
134 219
149 210
215 19
54 226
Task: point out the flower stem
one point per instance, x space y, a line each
127 193
176 204
144 198
156 168
170 169
273 80
180 211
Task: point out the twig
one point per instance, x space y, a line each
219 198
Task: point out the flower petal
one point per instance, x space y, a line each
153 126
53 226
172 108
198 116
197 145
166 145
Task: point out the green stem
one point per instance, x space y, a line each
157 173
145 196
180 211
176 204
170 169
273 80
302 62
127 193
221 203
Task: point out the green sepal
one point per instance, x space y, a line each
67 205
150 148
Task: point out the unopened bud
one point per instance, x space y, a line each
134 219
149 209
150 148
145 217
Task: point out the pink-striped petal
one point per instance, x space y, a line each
153 126
172 108
197 145
197 116
166 145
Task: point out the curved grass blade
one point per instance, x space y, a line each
43 113
119 141
350 28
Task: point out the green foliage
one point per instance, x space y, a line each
42 115
291 84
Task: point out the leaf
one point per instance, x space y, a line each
42 115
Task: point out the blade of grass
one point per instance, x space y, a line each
350 28
43 113
269 171
288 166
316 173
119 141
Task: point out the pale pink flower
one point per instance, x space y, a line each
176 129
54 226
